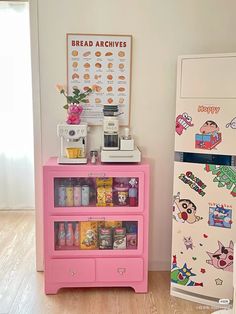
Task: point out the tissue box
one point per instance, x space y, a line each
126 144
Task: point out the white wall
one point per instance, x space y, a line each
161 31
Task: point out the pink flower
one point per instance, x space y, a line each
61 88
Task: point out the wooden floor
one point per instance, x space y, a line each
21 287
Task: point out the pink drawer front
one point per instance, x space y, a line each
119 269
65 270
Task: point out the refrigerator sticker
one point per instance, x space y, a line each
219 282
181 276
194 182
225 176
209 136
182 122
222 258
220 216
208 109
231 124
188 242
184 210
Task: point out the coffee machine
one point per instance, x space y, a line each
73 143
117 148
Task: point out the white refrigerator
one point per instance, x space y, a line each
204 189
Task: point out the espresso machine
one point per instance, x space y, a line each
73 143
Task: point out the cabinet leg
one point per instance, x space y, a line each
51 290
140 288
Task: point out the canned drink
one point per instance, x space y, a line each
77 195
69 196
85 195
61 196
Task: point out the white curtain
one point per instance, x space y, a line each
16 118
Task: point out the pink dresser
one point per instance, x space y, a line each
96 225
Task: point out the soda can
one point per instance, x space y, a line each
77 195
61 196
69 196
85 195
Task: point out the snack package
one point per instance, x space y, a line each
131 226
131 241
113 224
105 238
88 238
104 191
119 239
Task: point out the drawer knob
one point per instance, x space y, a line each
72 272
121 271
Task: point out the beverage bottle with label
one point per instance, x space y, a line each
77 194
61 234
76 234
69 234
69 194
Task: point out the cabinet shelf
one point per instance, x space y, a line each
109 227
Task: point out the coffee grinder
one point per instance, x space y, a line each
73 143
110 127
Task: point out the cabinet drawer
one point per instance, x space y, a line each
119 269
77 270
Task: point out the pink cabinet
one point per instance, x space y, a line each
96 225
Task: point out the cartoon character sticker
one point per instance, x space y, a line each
181 275
188 242
231 124
220 217
223 257
182 122
225 176
209 136
184 210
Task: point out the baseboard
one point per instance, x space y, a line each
159 265
17 209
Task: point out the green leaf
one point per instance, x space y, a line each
83 100
66 107
70 99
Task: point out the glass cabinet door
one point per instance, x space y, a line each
96 192
88 235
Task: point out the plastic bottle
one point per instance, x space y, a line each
69 194
76 234
61 234
69 235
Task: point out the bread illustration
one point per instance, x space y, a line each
109 89
75 64
98 54
97 100
87 65
109 77
121 77
86 76
121 66
121 89
110 65
74 53
121 100
98 65
108 54
121 54
110 100
97 77
87 53
97 88
75 76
